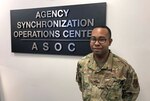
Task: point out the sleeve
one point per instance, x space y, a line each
79 77
131 87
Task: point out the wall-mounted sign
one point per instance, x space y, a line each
63 30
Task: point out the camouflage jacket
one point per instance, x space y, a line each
115 81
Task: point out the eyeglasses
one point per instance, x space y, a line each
101 40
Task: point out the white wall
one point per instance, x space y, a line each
29 77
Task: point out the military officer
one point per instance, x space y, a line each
104 76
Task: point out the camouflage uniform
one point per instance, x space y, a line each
115 81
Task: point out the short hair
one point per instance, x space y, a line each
103 26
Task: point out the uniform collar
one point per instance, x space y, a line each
107 66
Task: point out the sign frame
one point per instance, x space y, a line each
61 30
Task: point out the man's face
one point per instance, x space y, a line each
100 41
